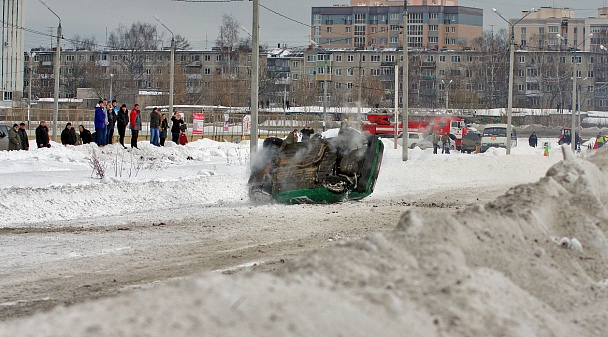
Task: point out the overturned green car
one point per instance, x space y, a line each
318 170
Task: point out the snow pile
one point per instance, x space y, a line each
491 270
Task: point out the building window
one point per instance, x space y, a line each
329 29
195 58
522 59
349 72
553 29
295 77
207 58
441 58
207 71
348 29
350 58
311 58
338 72
455 58
338 58
69 58
295 64
8 95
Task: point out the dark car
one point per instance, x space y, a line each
3 137
470 141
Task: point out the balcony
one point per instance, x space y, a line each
429 64
322 77
428 77
387 64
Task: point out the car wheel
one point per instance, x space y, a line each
413 146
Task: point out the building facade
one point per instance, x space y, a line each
11 67
379 24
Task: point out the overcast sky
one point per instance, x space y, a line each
199 21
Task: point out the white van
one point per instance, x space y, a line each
495 135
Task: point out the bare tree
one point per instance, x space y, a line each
83 42
140 36
228 37
182 43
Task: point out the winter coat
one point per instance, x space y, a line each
123 118
154 120
42 135
533 140
175 127
112 117
25 142
436 138
445 139
100 118
68 136
14 143
135 120
164 126
86 136
306 133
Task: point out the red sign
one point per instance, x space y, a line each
198 123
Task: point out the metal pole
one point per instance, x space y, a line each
405 67
510 103
447 97
405 134
573 130
172 74
56 74
359 118
255 61
29 99
324 91
111 78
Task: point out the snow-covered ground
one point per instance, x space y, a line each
508 265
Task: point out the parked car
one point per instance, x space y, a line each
426 143
3 137
470 141
495 135
413 138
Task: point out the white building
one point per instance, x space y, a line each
12 40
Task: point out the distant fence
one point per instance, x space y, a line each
270 124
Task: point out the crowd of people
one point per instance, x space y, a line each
107 118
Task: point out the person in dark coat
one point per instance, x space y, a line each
85 135
68 135
176 126
164 126
155 127
122 120
25 141
533 140
14 143
307 132
42 135
112 114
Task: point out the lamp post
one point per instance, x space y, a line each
405 89
573 139
324 83
255 69
29 88
111 78
511 65
447 94
55 73
172 69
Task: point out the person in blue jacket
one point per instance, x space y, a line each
100 125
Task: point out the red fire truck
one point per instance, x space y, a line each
383 124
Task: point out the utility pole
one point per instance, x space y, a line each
255 61
405 67
172 69
29 95
359 118
56 74
324 90
405 133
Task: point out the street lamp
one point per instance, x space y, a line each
55 73
255 74
447 94
511 65
574 89
111 78
405 89
324 83
172 69
29 95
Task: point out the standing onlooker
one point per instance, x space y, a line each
307 132
445 139
155 127
600 140
176 126
100 124
122 120
112 114
135 120
85 135
436 140
42 135
14 143
25 142
164 126
533 140
68 135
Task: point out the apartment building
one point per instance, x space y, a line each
551 28
432 24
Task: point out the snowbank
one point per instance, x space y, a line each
498 269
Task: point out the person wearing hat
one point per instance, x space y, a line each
25 141
14 143
122 120
42 135
68 135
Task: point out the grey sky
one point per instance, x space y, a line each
199 22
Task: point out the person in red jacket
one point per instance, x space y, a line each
135 120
